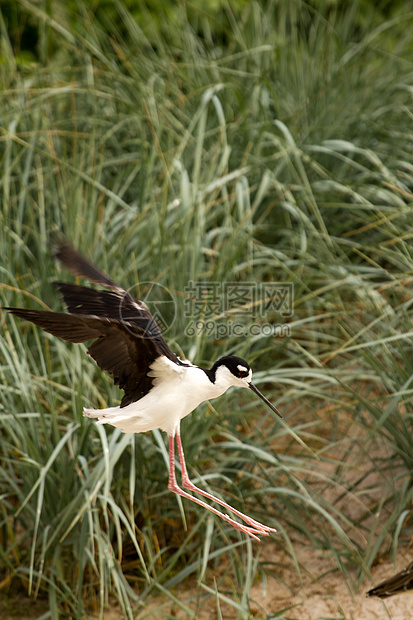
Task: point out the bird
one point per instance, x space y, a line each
398 584
159 388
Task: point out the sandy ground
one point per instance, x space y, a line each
328 597
321 597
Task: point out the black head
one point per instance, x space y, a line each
238 367
234 371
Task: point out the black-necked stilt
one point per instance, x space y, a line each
398 584
160 389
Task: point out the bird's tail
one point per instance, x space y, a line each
123 418
101 414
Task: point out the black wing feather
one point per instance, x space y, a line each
84 300
65 326
120 348
118 306
126 337
79 266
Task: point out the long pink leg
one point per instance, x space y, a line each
188 484
173 486
256 527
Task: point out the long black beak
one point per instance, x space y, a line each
266 401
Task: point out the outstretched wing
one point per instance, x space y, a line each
116 304
126 337
120 347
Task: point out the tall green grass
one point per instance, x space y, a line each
281 155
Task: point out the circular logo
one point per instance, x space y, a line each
159 301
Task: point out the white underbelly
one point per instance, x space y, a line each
163 407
